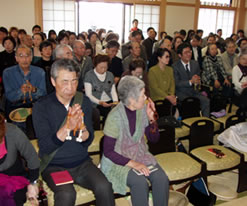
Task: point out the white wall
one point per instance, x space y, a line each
19 13
178 17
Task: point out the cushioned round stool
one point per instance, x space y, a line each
213 163
177 199
222 191
178 165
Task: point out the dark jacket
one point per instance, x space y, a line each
48 116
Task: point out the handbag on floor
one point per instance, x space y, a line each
199 195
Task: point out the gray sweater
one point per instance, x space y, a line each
16 141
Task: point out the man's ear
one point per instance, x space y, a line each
179 55
53 82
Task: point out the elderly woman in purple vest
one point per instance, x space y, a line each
99 86
126 161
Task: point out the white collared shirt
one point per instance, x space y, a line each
195 52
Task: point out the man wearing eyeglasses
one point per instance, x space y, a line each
23 83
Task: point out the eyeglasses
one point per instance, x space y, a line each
24 56
187 52
167 56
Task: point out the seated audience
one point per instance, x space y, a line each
23 83
16 182
161 78
53 43
111 36
176 42
13 31
89 50
135 52
220 42
149 42
7 57
115 66
187 77
58 116
37 39
211 39
63 38
3 34
136 36
36 29
163 34
95 43
196 49
72 38
164 43
100 87
21 35
52 34
125 149
63 51
81 37
182 34
137 68
240 34
45 63
214 73
85 62
191 33
234 37
239 73
241 44
101 35
28 41
229 57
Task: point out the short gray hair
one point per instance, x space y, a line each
64 64
76 42
58 52
129 87
23 46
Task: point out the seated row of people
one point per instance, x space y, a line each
60 114
213 75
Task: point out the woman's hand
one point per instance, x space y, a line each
150 110
104 104
139 167
172 99
217 84
227 83
244 85
32 194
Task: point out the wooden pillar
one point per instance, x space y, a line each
162 16
196 15
239 20
38 12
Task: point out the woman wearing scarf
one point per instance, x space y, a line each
239 73
126 160
214 75
16 184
